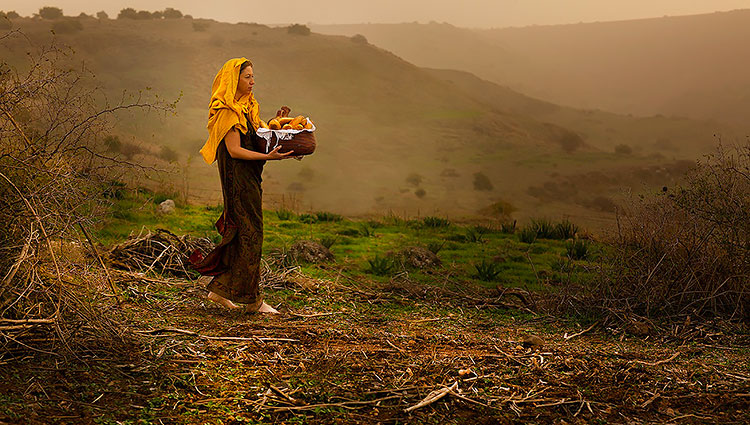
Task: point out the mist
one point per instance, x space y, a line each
470 13
552 121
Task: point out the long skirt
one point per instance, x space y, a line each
235 261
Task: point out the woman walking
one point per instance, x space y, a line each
233 119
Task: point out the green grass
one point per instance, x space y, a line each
470 254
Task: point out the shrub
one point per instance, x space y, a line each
487 271
359 39
328 216
414 179
67 26
508 227
420 193
168 154
349 232
49 12
381 266
298 29
102 15
366 231
500 209
307 218
687 251
527 235
623 149
430 221
482 182
113 143
127 13
474 234
129 150
436 246
170 13
328 241
12 15
542 228
570 141
577 249
285 214
565 230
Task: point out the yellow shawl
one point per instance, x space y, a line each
224 112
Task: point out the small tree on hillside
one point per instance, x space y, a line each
127 13
49 12
570 141
102 15
170 13
359 39
12 15
298 29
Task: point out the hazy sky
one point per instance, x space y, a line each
465 13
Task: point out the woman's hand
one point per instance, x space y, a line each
274 154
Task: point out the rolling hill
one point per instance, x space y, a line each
692 66
392 136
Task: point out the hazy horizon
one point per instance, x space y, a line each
472 13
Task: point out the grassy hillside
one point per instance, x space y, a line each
355 346
686 66
392 136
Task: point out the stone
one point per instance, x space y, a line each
419 258
310 252
167 207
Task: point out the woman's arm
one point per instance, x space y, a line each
236 151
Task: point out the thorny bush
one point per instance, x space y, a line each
53 176
686 251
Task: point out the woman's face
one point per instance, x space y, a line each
245 82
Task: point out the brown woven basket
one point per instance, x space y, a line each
302 143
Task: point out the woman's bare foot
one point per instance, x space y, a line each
218 299
264 308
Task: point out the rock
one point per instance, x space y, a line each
419 258
310 252
532 341
166 207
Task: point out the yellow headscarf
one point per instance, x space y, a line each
224 112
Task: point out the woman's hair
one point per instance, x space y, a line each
245 65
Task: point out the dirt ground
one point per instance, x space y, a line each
362 352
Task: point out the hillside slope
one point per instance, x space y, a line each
392 136
691 66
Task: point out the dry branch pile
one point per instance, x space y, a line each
160 252
54 178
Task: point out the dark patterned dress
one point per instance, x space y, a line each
235 261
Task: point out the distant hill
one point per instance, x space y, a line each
392 136
693 66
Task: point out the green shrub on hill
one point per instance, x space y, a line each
298 29
482 182
49 12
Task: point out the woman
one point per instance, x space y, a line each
232 121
